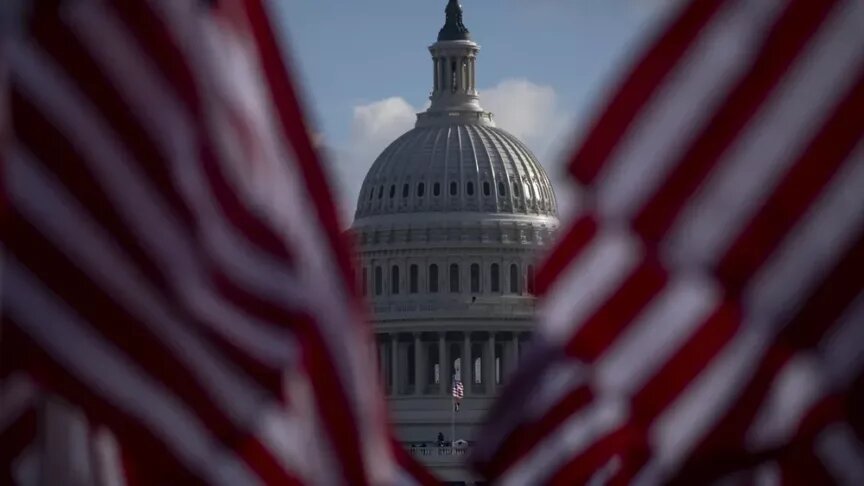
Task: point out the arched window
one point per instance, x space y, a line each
514 279
413 277
394 280
530 279
516 189
454 188
501 188
433 278
379 284
380 191
405 190
436 189
470 188
365 284
392 190
486 188
475 278
421 189
495 278
454 278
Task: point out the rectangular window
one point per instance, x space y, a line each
413 275
475 278
433 278
495 278
394 280
379 284
454 278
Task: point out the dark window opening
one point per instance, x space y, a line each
514 279
405 190
433 278
436 189
392 191
486 189
421 188
530 279
454 278
379 284
501 188
371 193
475 278
470 188
365 284
380 191
413 277
516 189
394 280
495 278
453 188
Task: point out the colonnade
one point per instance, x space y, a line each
462 79
425 363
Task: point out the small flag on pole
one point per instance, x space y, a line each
458 394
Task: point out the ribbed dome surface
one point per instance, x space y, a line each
456 167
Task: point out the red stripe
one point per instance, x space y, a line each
294 129
568 249
639 88
781 49
797 191
685 365
627 442
156 460
53 151
261 460
115 324
526 436
417 472
599 331
70 56
14 440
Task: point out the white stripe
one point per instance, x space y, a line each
773 140
812 247
111 375
17 395
842 349
793 391
677 430
140 205
171 129
840 451
685 102
573 437
60 218
587 283
107 459
650 341
767 475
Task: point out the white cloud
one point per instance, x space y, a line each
529 111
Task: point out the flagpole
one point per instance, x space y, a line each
452 415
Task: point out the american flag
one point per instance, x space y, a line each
704 315
458 390
172 261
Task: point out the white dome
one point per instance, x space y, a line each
460 166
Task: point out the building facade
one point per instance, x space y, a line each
449 221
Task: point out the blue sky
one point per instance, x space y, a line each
542 69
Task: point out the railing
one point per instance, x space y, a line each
435 450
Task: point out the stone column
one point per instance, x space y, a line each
443 375
473 75
419 364
512 356
467 383
394 364
490 375
434 74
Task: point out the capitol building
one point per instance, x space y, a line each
449 223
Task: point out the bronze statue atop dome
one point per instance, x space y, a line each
453 28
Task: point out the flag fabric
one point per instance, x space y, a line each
458 394
704 315
172 261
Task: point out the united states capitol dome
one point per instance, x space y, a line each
455 158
